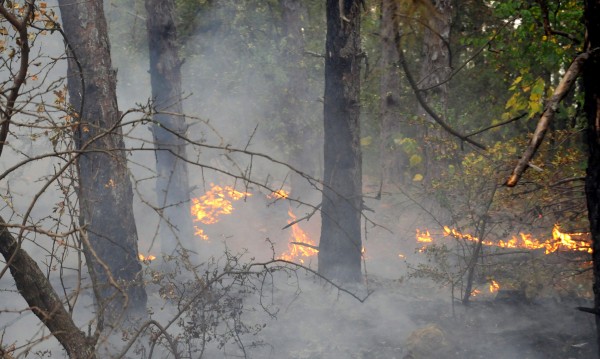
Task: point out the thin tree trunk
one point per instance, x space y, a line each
105 193
172 187
435 68
591 74
341 245
294 97
393 161
42 298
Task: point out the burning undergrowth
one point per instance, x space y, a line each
219 202
523 265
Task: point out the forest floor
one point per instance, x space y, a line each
501 329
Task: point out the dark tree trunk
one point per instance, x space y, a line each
340 246
105 193
172 187
294 97
393 160
37 291
591 74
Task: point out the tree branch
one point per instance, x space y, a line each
548 115
425 105
21 27
43 301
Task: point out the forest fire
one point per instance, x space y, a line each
219 201
301 245
279 194
560 241
494 286
148 258
209 207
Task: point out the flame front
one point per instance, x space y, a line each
559 240
209 207
218 201
301 246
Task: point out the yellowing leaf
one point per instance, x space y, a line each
415 160
418 177
365 141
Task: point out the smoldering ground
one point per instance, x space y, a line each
285 313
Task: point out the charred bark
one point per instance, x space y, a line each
340 246
169 130
105 193
37 291
591 74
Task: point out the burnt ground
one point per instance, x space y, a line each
493 328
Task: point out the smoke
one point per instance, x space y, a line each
231 84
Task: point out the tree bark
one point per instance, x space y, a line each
341 245
591 74
169 131
37 291
105 193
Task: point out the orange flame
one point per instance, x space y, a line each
147 258
279 194
212 204
494 286
424 237
559 240
301 245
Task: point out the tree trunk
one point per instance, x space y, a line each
169 131
340 246
105 193
435 69
300 134
591 74
42 298
393 161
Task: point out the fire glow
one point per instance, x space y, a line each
148 258
560 240
216 202
219 200
494 286
301 245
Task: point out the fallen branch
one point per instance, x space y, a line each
561 91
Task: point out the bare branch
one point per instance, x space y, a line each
21 27
425 105
42 299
